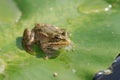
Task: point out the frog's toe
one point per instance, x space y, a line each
52 55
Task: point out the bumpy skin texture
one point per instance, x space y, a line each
49 38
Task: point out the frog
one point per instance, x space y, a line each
49 39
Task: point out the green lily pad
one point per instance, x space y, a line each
94 29
9 12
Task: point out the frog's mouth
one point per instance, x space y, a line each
60 44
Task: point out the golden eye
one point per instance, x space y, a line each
57 37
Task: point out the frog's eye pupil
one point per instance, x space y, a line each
57 36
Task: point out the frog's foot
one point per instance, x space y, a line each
28 48
51 55
48 57
27 41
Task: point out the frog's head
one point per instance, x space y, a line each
62 35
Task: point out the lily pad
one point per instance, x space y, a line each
95 37
9 12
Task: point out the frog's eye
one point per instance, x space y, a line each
57 37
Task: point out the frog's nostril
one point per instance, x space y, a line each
64 33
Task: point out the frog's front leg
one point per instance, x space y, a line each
50 53
28 40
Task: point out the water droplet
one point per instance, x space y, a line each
74 70
51 9
55 74
100 73
110 6
106 9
